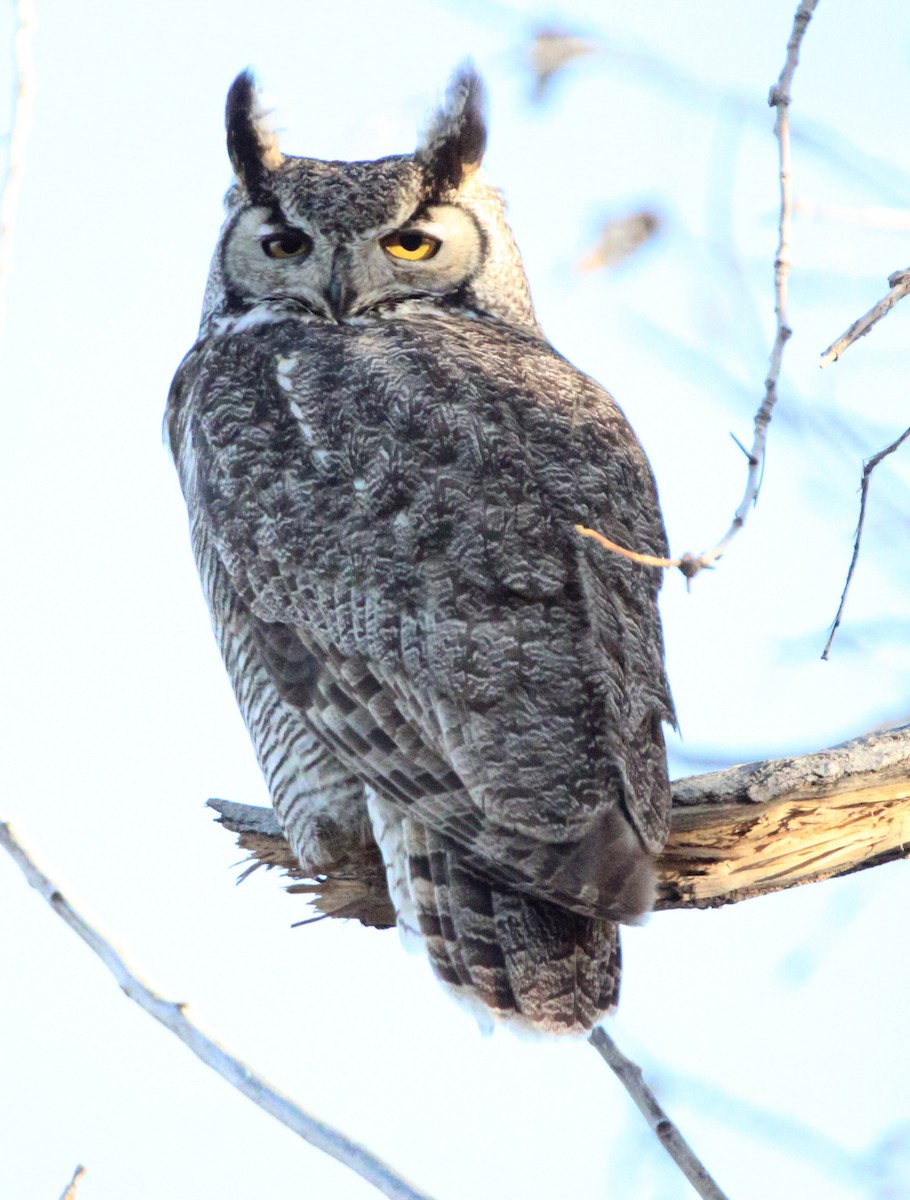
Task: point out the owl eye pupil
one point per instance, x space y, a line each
410 245
291 243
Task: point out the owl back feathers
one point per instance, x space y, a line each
434 668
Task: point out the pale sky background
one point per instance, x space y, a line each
775 1030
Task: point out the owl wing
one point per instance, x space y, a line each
403 499
319 803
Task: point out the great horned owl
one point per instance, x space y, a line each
457 701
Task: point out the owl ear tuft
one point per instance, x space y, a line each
252 145
454 143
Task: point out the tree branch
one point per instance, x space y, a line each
779 98
741 832
173 1016
630 1076
738 833
868 468
750 830
70 1192
899 283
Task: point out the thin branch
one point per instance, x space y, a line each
21 127
742 832
630 1076
173 1017
70 1193
899 284
868 467
779 98
646 560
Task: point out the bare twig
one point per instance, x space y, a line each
646 560
779 98
738 833
22 123
630 1076
687 563
899 284
173 1017
70 1193
868 467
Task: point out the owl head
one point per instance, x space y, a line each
352 242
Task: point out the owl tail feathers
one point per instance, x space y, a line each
533 966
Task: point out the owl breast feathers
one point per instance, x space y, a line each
456 701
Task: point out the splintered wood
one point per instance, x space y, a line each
735 834
719 853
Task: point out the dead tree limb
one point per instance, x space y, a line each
750 830
738 833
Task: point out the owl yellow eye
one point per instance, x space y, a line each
410 246
289 244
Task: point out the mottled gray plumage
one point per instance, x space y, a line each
384 462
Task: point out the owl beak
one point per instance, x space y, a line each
339 294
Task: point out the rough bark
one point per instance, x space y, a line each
758 828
